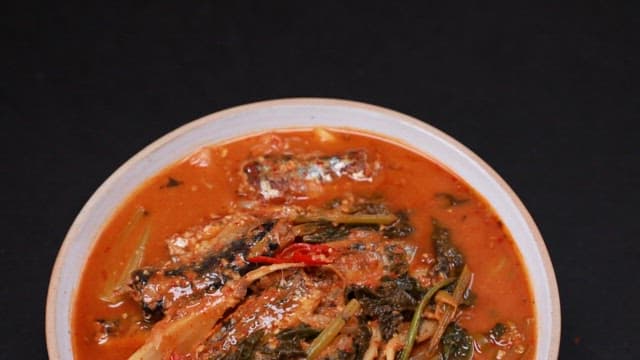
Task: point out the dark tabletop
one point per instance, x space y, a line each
545 94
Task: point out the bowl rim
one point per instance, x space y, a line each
50 319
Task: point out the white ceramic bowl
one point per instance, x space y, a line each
290 113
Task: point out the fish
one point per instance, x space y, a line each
280 176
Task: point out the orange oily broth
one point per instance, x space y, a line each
407 180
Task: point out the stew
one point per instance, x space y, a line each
305 244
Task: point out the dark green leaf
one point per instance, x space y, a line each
300 332
361 339
399 229
171 182
288 345
449 259
457 344
390 303
451 200
322 231
497 332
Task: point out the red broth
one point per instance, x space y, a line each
206 185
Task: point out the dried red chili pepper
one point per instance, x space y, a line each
309 254
266 260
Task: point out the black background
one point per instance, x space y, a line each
545 93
